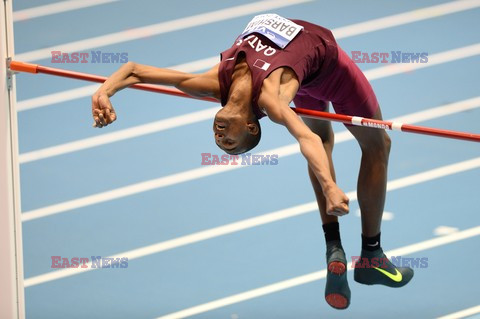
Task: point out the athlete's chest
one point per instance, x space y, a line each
254 44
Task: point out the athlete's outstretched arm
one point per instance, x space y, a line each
275 98
198 85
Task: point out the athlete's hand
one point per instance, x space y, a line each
337 201
102 110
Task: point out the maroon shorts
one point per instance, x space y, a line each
346 87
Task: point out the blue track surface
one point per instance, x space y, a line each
172 280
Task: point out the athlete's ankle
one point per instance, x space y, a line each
331 232
371 243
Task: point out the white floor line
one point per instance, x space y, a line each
314 276
145 186
374 74
257 221
54 8
55 98
340 33
159 28
212 170
433 60
120 135
405 18
463 313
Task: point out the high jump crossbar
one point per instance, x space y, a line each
346 119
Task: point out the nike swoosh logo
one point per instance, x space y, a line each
373 244
229 59
397 277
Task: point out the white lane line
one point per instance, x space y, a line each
255 221
247 295
435 59
373 74
54 8
405 18
182 241
340 33
444 230
387 216
159 28
88 90
463 313
120 135
145 186
212 170
59 97
314 276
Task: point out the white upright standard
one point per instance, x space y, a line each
12 303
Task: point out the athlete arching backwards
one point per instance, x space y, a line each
273 62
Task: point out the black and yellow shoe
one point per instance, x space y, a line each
374 268
337 292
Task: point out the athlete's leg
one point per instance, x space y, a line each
372 179
355 97
371 190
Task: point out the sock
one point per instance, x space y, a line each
331 231
371 243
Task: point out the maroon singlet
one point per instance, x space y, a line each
323 69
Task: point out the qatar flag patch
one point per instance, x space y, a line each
261 64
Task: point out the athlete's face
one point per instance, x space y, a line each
230 133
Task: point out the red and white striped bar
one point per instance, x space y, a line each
346 119
387 125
